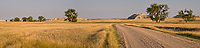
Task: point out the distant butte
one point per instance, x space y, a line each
138 16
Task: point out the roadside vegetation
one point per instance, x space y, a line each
176 26
189 30
158 12
187 15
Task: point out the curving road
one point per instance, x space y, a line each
135 37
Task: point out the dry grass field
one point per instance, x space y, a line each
57 35
167 21
108 21
83 34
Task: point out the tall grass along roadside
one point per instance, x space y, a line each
57 35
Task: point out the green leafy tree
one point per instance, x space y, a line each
30 18
187 15
24 19
17 19
12 20
44 19
158 12
41 18
71 15
65 20
35 20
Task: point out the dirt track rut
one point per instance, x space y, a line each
135 37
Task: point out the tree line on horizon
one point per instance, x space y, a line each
158 12
29 19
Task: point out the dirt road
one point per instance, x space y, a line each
135 37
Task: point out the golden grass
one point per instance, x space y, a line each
2 20
83 34
57 35
107 20
167 25
167 20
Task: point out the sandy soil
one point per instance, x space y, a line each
135 37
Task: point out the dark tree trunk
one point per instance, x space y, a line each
71 17
186 20
156 21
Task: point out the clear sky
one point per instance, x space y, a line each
89 8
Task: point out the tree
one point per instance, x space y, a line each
24 19
11 20
158 12
41 18
71 15
187 15
44 19
30 18
65 20
16 19
35 20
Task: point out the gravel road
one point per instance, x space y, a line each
135 37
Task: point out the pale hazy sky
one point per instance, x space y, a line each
89 8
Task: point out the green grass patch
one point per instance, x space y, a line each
189 35
119 39
131 25
147 28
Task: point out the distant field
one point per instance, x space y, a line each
167 20
56 35
2 20
108 20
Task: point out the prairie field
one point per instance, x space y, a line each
57 35
82 34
